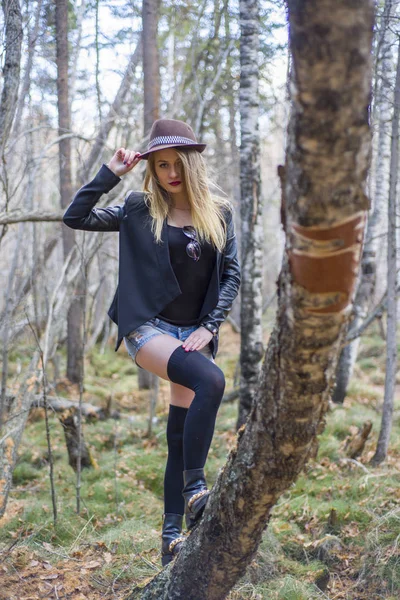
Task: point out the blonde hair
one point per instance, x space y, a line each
207 210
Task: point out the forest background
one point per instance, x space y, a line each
93 532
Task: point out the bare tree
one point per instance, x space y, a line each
391 333
115 110
324 208
11 68
251 347
74 324
151 73
26 82
151 112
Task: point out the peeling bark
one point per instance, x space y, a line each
325 173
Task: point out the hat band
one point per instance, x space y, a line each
169 139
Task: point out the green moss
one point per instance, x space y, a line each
24 472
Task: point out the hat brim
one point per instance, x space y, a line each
198 147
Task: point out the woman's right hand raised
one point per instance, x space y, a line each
124 160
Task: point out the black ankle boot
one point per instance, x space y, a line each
196 494
171 537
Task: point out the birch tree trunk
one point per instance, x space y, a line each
74 320
366 286
324 212
391 328
251 347
11 69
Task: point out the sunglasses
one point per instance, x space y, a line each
193 249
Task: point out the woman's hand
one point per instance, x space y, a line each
124 160
198 339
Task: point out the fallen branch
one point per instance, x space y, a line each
62 404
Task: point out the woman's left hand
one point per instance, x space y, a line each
198 339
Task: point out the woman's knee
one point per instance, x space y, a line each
213 386
215 380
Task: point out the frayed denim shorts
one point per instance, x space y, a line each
155 326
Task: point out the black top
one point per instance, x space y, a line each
193 278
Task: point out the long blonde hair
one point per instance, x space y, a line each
207 210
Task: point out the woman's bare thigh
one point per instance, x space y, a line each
155 354
154 357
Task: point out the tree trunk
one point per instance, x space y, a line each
5 329
74 440
324 213
151 73
391 329
11 68
74 319
26 82
366 286
151 112
251 346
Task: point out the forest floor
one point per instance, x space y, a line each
334 535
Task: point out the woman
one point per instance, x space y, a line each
178 277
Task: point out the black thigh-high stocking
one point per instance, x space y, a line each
173 480
196 372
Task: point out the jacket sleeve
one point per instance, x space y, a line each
229 281
81 213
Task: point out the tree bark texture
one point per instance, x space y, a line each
325 211
251 347
74 320
11 69
391 328
366 285
151 74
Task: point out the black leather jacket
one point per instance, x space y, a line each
147 282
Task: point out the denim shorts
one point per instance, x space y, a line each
155 326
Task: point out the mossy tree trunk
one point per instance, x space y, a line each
324 213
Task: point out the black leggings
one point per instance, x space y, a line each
190 431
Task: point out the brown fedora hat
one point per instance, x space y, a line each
170 133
